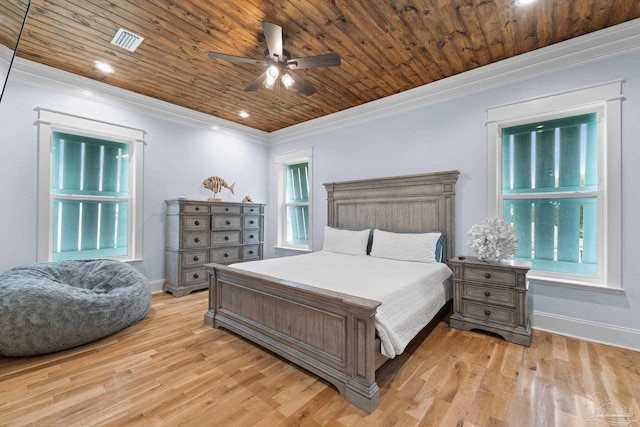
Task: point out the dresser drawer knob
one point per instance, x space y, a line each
251 222
487 313
487 275
487 293
195 275
251 209
250 252
197 223
197 208
228 222
195 258
226 237
251 236
226 209
226 255
197 239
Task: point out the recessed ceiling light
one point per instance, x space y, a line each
243 114
104 67
524 2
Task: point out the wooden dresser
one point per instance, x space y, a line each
200 232
491 297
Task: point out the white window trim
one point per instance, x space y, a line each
606 100
282 161
52 121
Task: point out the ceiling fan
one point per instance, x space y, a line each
279 64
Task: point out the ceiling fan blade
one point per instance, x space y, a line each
328 60
302 85
216 55
273 36
254 85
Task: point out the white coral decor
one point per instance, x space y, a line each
492 240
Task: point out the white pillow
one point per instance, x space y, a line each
419 247
348 242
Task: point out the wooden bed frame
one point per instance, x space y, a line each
329 333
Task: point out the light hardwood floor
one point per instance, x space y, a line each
171 370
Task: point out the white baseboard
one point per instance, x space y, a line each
156 285
591 331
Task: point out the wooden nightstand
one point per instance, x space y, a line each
491 297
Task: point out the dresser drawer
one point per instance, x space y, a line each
488 294
505 316
226 221
225 209
194 275
251 221
225 238
251 210
250 236
194 258
250 252
195 222
488 275
225 255
198 239
195 208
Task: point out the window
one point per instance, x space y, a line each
90 189
554 174
294 200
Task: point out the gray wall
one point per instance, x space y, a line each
452 135
176 160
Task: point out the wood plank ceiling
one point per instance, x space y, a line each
387 46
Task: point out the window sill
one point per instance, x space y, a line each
573 284
292 249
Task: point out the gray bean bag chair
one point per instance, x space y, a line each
48 307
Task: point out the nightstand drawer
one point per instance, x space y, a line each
225 255
488 275
194 258
488 294
489 313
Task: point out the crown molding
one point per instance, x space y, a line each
612 41
83 87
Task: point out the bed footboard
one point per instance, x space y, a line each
327 333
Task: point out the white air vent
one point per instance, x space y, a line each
127 40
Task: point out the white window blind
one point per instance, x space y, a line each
554 173
90 188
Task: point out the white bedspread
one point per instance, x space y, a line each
411 293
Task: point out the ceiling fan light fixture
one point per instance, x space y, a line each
524 2
287 80
272 75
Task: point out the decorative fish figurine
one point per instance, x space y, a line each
216 184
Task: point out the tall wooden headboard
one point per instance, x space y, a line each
409 203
